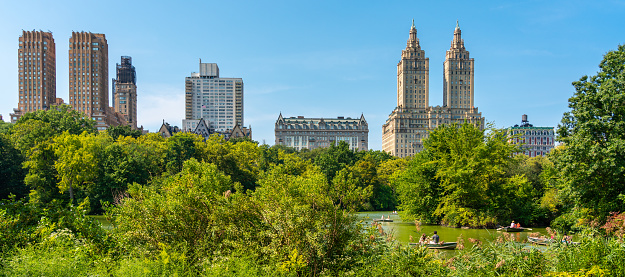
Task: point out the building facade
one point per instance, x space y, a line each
88 77
310 133
535 141
219 101
413 118
125 91
37 73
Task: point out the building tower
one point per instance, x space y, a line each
88 77
219 101
413 75
458 74
125 91
37 73
413 118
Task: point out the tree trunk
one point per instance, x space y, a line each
71 193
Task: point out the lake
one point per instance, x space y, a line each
403 230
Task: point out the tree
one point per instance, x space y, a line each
5 127
33 135
78 161
123 130
592 160
335 158
11 172
463 171
181 147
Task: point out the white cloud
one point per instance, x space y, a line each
158 102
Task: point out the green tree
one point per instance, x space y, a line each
11 172
181 147
592 160
335 158
33 135
78 160
123 130
463 169
419 190
5 127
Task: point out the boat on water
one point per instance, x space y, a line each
444 245
510 229
383 220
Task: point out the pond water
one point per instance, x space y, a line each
402 231
106 224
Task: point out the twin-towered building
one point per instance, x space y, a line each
413 118
88 79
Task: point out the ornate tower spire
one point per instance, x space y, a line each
413 41
457 42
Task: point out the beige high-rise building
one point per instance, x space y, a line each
88 77
411 121
37 73
218 100
458 75
125 91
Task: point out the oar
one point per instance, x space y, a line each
527 228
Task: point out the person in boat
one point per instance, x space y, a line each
435 237
518 225
423 239
382 217
512 225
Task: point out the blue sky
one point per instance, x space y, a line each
328 58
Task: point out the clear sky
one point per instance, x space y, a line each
328 58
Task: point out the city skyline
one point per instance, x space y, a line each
328 59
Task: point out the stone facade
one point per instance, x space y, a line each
125 91
219 101
37 73
411 121
535 141
310 133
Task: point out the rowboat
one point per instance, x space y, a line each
382 220
445 245
510 229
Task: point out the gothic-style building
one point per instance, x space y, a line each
413 118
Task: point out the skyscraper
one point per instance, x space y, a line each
125 91
458 76
218 100
411 121
413 74
37 73
88 77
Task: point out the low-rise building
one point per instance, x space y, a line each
310 133
535 141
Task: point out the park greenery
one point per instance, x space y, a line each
192 207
